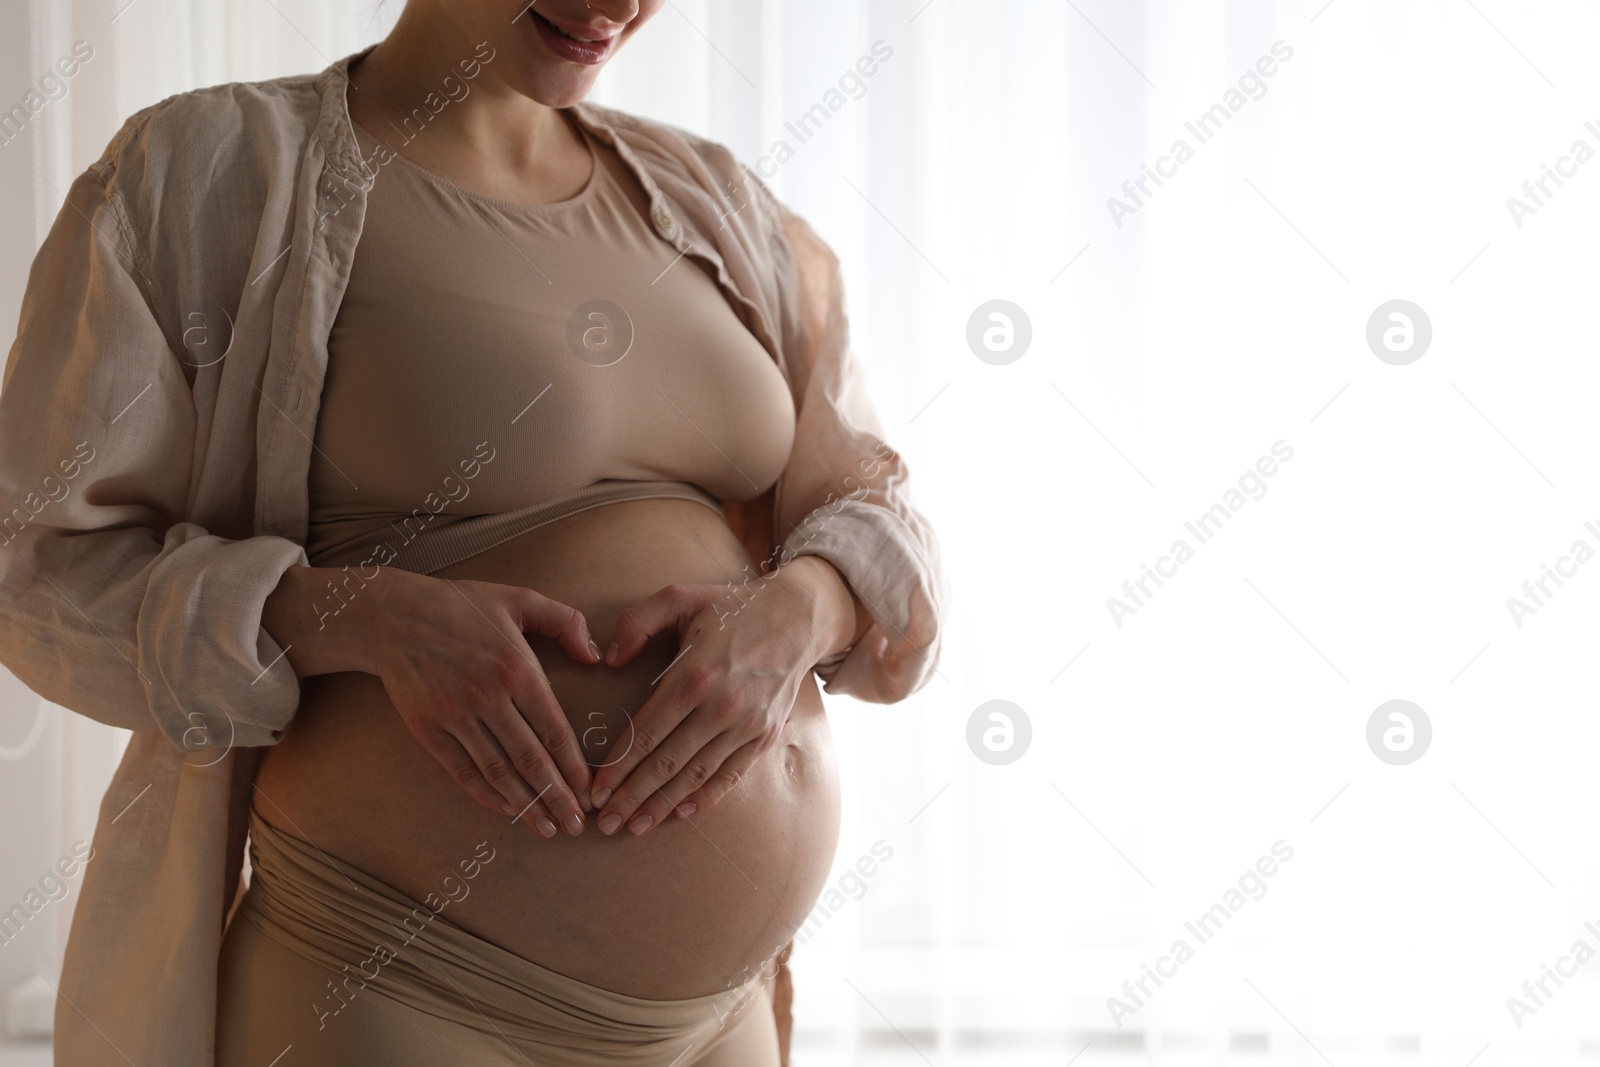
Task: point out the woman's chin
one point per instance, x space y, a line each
551 80
558 88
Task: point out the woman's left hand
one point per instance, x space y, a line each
724 700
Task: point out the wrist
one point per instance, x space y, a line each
329 619
836 611
361 610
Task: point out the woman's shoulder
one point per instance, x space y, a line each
198 141
191 184
669 146
697 165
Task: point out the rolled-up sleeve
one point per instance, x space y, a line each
845 495
112 604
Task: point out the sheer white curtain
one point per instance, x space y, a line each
1204 764
1188 335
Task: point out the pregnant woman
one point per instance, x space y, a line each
458 486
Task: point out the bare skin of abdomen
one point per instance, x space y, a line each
691 907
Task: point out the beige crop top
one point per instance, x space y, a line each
497 366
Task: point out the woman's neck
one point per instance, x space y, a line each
484 117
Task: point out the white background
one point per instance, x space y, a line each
1228 314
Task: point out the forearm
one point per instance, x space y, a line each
325 616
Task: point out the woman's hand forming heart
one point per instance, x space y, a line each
724 700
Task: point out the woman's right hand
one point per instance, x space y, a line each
454 662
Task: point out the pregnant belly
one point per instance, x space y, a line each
691 907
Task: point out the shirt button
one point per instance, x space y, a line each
664 222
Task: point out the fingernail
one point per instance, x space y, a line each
611 653
686 809
599 797
640 825
583 800
545 826
594 650
609 822
574 824
507 808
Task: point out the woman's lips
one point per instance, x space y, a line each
586 52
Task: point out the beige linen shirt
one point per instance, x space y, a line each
156 426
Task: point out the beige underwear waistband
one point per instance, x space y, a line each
380 942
